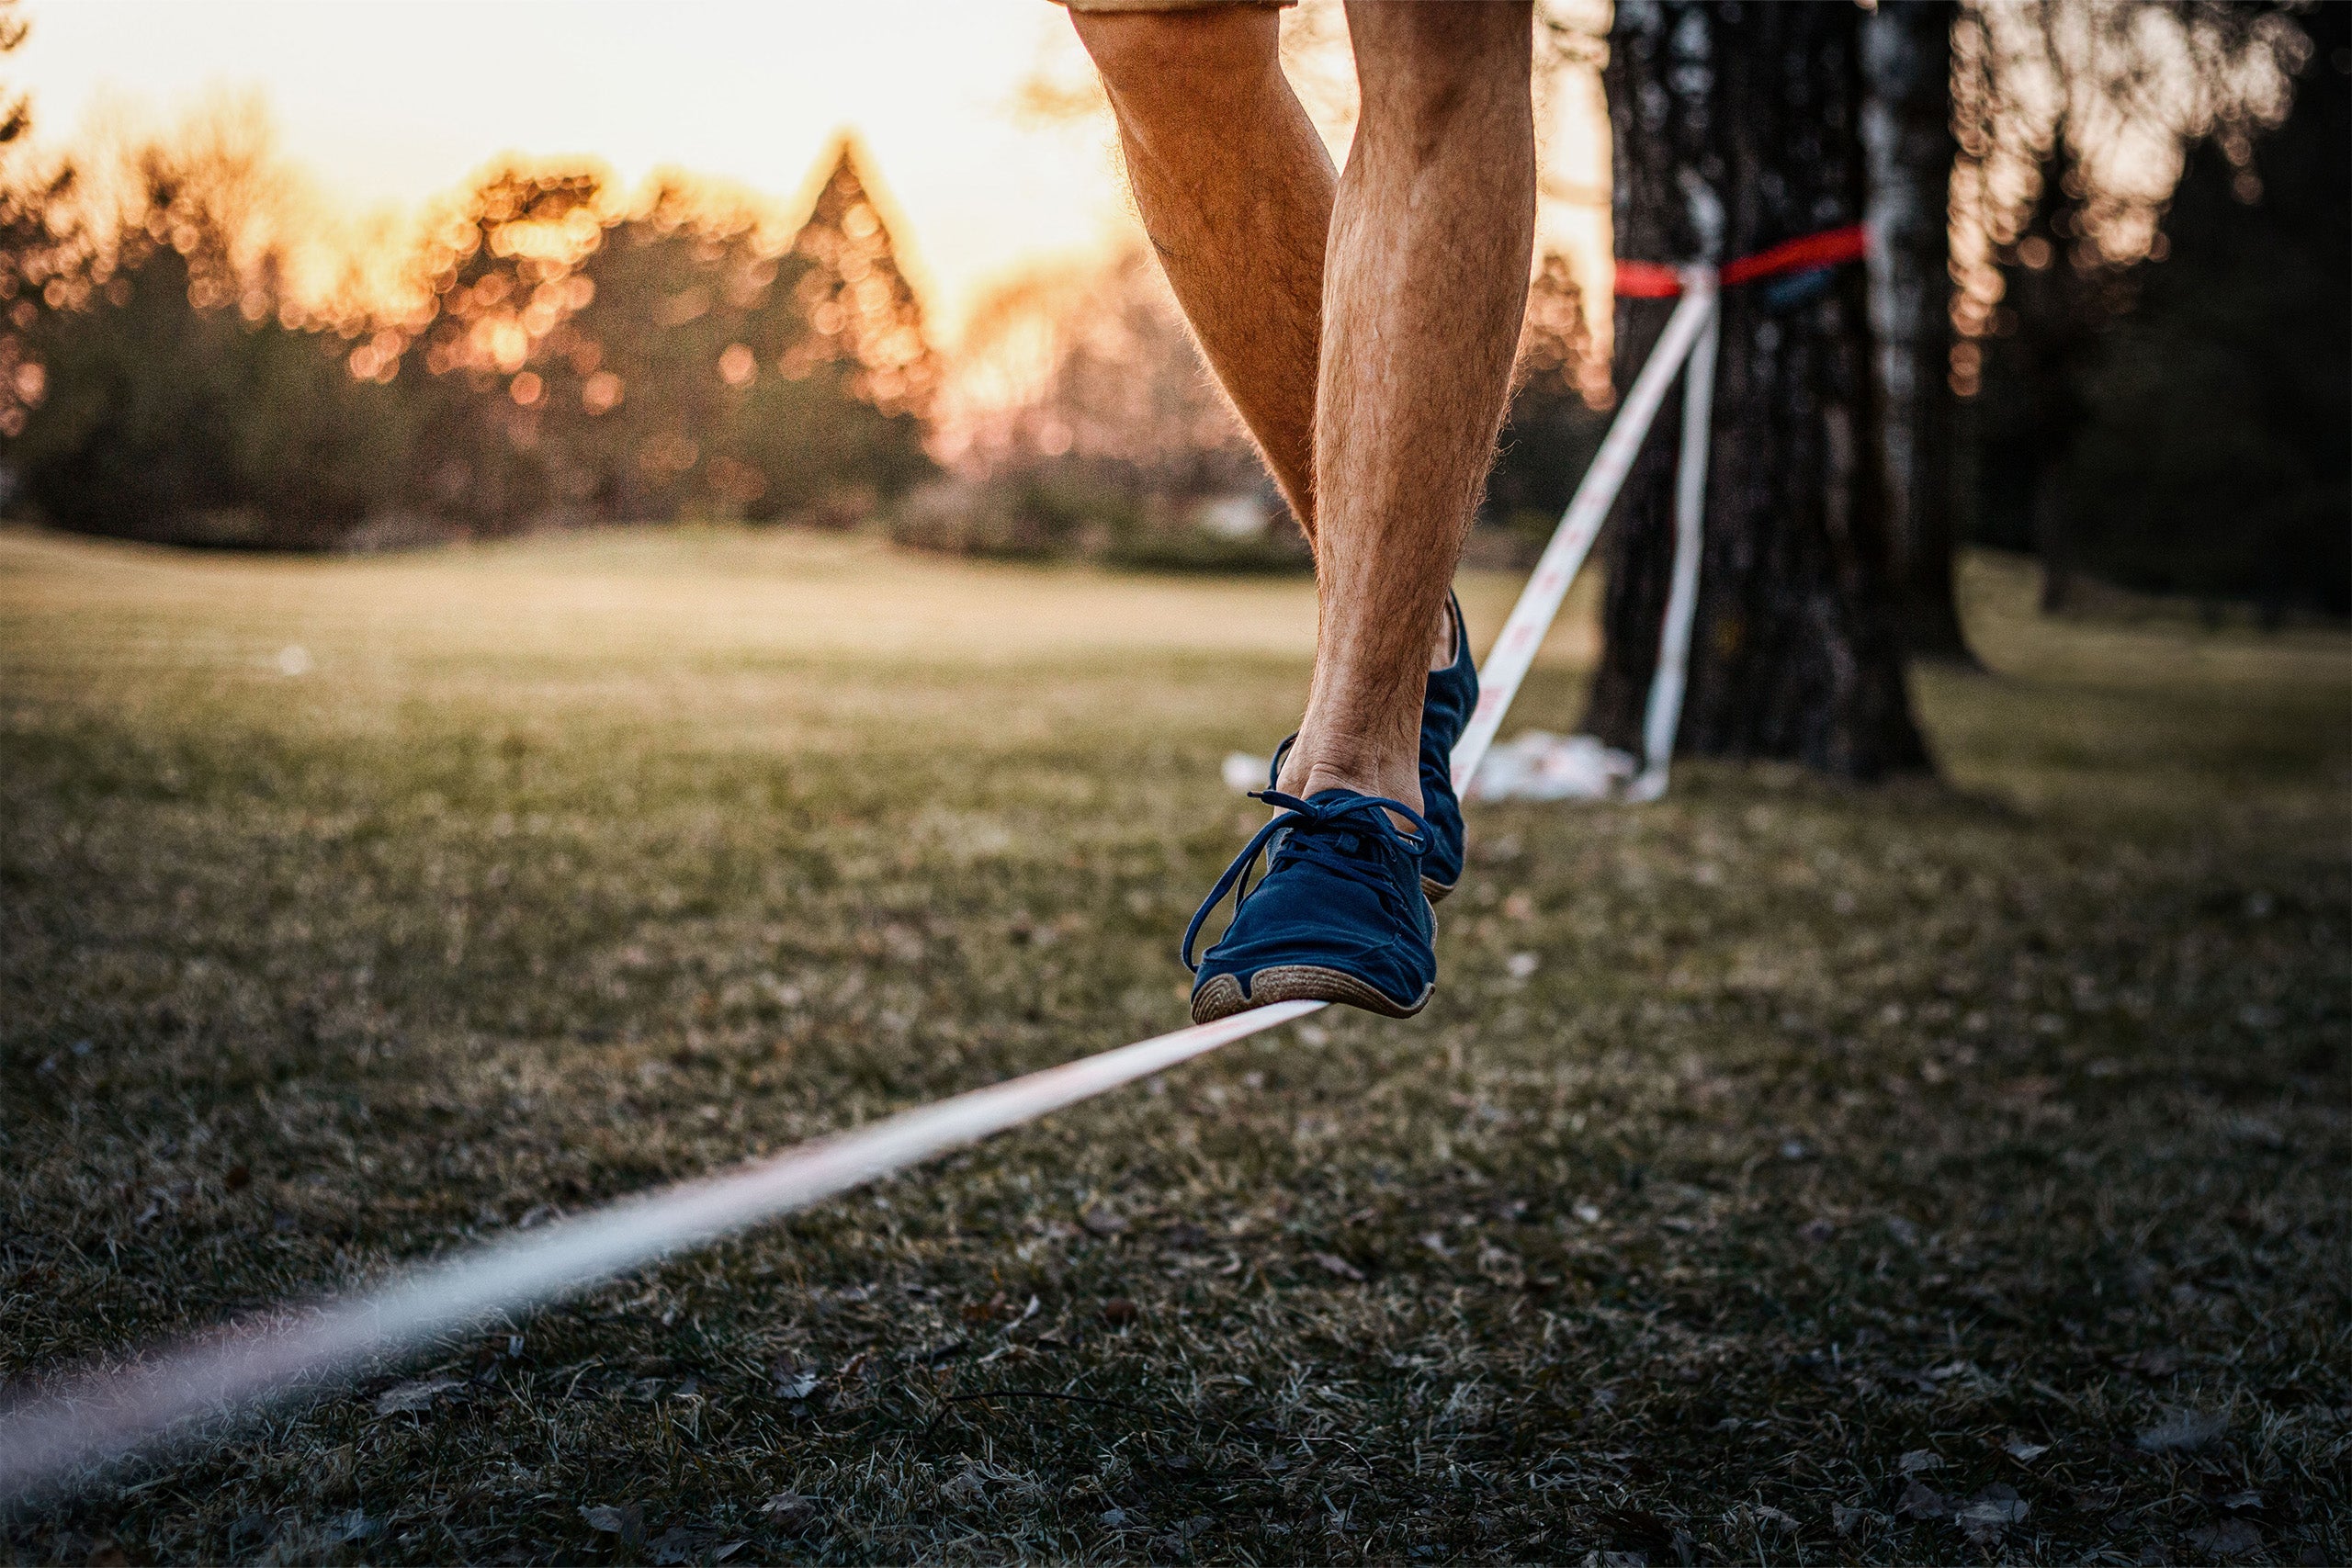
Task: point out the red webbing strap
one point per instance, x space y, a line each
1829 248
1650 280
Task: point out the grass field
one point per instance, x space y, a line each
1784 1172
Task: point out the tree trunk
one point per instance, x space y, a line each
1738 127
1908 134
2052 533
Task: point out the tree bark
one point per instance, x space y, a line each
1907 135
1738 127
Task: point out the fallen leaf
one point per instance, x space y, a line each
1987 1515
2024 1453
2231 1537
1845 1520
727 1550
2183 1432
629 1522
1435 1242
352 1525
1102 1222
2152 1364
788 1508
1814 1232
1983 1526
418 1394
1920 1501
1333 1263
1918 1461
1118 1312
676 1545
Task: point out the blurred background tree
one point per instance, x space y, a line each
184 400
36 272
1908 143
2088 134
555 357
2215 457
1093 428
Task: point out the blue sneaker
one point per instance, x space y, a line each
1446 705
1339 917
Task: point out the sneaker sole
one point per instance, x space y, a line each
1434 891
1222 996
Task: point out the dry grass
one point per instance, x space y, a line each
2000 1127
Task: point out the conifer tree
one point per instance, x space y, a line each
860 308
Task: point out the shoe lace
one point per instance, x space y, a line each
1324 832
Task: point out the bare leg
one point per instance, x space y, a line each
1425 283
1235 190
1237 196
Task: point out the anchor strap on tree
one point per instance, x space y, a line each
1806 253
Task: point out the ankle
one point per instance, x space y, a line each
1403 785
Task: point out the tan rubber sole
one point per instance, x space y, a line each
1222 996
1433 891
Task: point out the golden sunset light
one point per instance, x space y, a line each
382 105
385 105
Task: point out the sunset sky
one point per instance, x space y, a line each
383 104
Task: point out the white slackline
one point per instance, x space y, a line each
104 1414
1555 568
1664 714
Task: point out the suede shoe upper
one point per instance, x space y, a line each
1446 705
1340 900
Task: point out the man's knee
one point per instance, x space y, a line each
1182 52
1423 65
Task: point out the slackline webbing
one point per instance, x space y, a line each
102 1414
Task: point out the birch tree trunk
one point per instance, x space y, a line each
1738 127
1907 135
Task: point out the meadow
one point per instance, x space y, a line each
1785 1172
